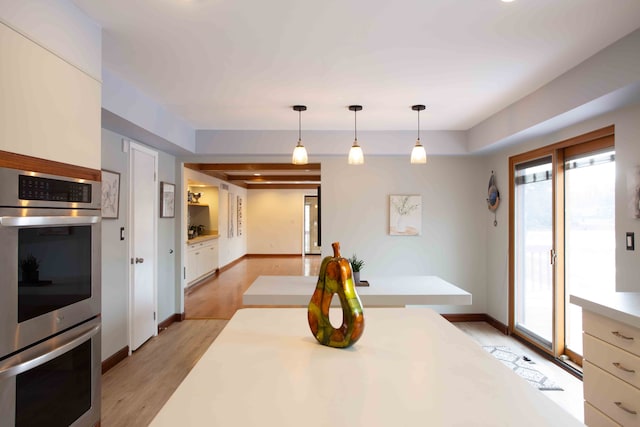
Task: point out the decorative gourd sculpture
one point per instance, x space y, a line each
336 278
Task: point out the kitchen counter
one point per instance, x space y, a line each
411 367
395 291
202 238
621 306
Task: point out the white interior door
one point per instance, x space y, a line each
143 202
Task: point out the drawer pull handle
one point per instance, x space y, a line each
619 335
622 368
621 406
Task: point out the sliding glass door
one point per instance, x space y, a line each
534 243
562 238
589 232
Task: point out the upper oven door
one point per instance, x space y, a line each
50 259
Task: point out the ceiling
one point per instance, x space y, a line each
241 65
232 65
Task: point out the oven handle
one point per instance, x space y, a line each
48 350
26 221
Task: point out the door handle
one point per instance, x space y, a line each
622 368
48 350
623 336
139 260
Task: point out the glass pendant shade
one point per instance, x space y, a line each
299 155
356 156
418 154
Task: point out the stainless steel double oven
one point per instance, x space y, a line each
49 300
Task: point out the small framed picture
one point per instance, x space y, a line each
167 200
110 194
405 215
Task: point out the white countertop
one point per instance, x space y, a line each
621 306
411 367
202 238
383 291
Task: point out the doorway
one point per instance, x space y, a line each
143 202
311 226
562 238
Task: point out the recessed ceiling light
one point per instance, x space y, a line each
507 1
256 174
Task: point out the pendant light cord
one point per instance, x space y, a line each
355 124
418 125
299 126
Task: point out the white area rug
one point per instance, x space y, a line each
522 367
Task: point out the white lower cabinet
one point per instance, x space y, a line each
611 372
595 418
202 260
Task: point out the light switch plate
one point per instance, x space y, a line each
631 241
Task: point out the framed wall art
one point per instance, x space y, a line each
167 200
232 215
405 215
110 194
239 227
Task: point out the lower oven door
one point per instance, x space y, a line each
54 383
50 281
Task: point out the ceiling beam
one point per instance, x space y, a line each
282 186
264 178
251 166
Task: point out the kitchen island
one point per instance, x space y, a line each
611 350
398 291
411 367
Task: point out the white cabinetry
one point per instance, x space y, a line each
202 260
611 371
48 108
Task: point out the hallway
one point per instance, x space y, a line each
220 296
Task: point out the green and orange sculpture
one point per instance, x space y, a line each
336 278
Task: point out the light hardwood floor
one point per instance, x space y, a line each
134 390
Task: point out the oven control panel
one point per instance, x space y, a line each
47 189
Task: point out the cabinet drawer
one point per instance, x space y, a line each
595 418
614 332
611 396
619 363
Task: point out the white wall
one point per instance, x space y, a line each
141 111
275 219
167 254
627 135
597 85
322 143
115 264
115 258
355 212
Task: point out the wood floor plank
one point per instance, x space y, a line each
221 296
135 389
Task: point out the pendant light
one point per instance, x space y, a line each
418 154
356 156
299 153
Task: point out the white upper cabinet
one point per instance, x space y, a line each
49 108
